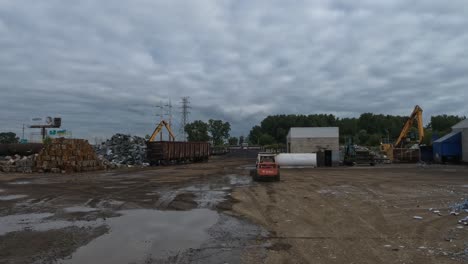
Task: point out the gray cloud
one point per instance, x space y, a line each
103 65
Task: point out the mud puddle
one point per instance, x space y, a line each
12 197
79 209
39 222
190 229
204 194
20 182
142 234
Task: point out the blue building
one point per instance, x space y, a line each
448 148
453 147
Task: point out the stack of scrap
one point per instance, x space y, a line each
17 163
68 155
124 150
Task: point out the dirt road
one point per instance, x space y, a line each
360 215
213 213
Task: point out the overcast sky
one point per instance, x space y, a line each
104 65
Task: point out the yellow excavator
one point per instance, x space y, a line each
158 130
387 148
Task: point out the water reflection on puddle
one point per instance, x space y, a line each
12 197
20 182
38 222
79 209
135 236
141 234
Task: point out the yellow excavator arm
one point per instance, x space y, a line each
416 115
158 129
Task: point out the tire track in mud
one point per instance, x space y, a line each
265 208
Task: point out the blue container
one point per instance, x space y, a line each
427 154
448 148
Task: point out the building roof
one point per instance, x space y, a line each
448 136
313 132
462 124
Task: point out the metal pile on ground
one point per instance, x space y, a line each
124 150
17 163
68 155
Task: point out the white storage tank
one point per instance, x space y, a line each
297 159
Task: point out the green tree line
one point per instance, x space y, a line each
215 130
368 129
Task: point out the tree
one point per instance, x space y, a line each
219 131
233 141
197 131
255 133
443 123
266 139
368 128
374 140
241 140
8 138
363 136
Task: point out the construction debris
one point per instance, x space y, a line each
17 163
463 221
68 155
123 149
461 206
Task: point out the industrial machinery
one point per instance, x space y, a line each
158 130
266 168
354 155
387 148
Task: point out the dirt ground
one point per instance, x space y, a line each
332 215
361 215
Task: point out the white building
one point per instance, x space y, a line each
315 140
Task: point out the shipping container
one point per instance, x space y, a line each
167 152
427 154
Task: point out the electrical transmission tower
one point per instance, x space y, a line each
160 111
164 111
185 106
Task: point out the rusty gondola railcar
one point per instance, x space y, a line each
20 149
167 152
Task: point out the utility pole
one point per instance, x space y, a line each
22 138
185 112
169 112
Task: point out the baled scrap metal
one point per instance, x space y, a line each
70 155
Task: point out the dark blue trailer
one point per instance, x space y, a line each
448 148
427 154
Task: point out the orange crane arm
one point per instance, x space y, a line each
417 114
158 129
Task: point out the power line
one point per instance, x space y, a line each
185 106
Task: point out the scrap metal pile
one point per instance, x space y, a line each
124 150
18 163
